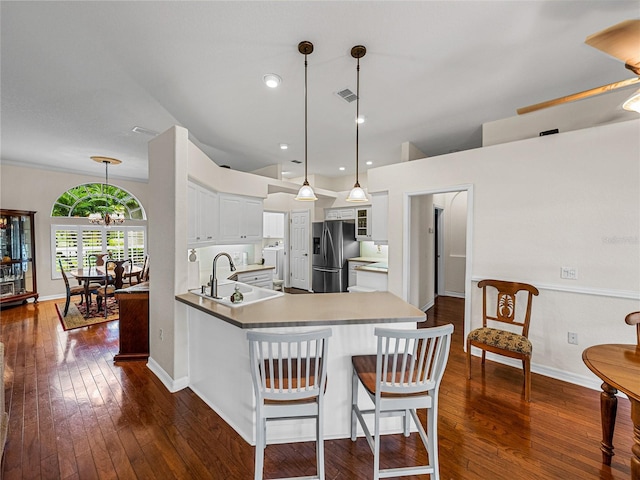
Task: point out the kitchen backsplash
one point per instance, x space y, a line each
368 249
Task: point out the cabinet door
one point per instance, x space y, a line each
230 208
209 216
379 218
363 223
331 214
252 219
193 225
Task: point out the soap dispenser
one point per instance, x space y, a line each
237 296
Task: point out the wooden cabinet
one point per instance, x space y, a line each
259 278
18 256
339 213
133 304
240 219
363 223
203 216
379 218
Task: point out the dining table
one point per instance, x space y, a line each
618 366
86 275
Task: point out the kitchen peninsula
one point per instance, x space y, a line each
219 353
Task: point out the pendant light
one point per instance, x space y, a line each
110 217
305 194
357 193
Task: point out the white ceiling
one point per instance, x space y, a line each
76 77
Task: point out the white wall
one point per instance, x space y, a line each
539 204
35 189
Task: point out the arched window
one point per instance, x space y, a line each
89 198
73 241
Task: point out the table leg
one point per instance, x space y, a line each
608 410
635 449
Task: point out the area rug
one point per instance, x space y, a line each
76 315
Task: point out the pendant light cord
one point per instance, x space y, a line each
357 117
305 120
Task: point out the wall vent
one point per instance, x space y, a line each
347 95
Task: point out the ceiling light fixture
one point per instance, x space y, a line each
108 217
357 193
272 80
369 162
283 146
305 194
360 119
633 103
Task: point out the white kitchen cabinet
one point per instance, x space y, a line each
202 221
353 274
273 225
240 219
339 213
379 218
363 223
260 278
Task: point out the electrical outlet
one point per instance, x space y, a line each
568 273
572 338
161 335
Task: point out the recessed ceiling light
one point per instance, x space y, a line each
342 169
369 162
272 80
284 146
360 119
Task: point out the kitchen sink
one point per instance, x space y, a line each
250 293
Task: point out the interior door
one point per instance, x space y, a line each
299 259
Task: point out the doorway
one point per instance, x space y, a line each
421 283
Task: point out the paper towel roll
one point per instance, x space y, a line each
193 275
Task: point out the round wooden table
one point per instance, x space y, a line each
87 275
618 366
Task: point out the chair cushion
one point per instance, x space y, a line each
502 339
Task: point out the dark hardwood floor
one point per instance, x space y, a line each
74 414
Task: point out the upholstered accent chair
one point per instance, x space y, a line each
500 296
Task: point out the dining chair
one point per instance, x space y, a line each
506 342
113 281
289 373
634 319
130 280
402 376
71 291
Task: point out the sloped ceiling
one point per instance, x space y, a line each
76 77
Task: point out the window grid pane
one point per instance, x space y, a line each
91 244
66 249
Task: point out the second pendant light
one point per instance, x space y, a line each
357 193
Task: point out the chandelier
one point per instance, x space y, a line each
109 217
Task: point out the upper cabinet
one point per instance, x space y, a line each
203 216
379 218
339 213
363 223
240 219
273 225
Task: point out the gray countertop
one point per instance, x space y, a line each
299 310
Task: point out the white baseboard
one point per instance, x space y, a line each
171 384
580 380
426 307
454 294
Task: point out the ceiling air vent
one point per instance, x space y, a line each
296 161
347 95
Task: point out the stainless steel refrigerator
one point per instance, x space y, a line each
334 242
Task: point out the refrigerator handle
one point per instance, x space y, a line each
326 270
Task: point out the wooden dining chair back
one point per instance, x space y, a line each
289 373
500 297
113 281
634 319
144 275
404 375
71 291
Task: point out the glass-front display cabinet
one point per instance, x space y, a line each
18 255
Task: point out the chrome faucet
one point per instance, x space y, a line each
214 279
